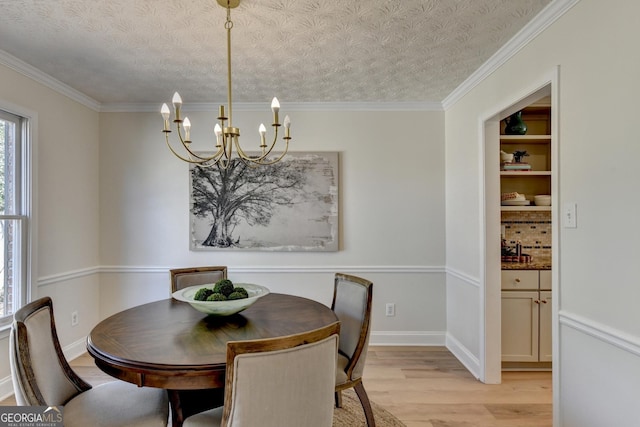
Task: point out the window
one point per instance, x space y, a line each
13 215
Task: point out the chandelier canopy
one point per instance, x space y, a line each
227 136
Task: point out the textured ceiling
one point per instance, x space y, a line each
138 51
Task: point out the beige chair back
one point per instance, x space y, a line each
282 381
352 301
184 277
40 372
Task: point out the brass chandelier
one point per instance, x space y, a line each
226 134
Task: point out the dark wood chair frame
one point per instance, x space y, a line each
23 359
353 359
174 273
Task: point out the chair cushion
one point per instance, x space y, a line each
212 417
117 404
341 375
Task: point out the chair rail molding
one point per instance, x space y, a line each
74 274
465 278
288 269
602 332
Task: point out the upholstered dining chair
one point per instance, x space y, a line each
352 299
276 382
184 277
42 376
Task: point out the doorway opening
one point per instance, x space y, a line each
504 225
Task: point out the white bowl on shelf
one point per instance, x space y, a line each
506 157
542 200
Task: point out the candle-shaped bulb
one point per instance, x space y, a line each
187 129
165 111
275 105
263 132
177 103
218 131
287 126
177 100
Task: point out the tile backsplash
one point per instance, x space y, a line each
533 229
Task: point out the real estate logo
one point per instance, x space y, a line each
31 416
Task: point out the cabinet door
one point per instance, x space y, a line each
520 322
545 326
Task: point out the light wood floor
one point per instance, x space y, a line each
428 387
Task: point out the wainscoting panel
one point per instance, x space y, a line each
599 370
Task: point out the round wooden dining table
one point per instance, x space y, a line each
168 344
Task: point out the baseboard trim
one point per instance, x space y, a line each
407 338
463 354
75 349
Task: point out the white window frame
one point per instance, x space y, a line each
25 180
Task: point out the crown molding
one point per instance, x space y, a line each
544 19
35 74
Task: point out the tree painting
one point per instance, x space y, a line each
291 205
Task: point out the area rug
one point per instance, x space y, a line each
351 414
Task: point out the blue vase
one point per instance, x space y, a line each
515 125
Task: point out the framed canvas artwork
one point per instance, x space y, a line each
291 205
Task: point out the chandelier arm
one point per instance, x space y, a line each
189 159
264 154
193 157
276 160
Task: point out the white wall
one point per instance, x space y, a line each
66 206
391 214
599 324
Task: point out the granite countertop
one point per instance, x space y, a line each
539 263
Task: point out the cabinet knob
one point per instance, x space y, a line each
544 301
537 301
517 280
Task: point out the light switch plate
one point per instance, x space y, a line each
569 219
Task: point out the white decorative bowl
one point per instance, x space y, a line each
506 157
221 308
542 200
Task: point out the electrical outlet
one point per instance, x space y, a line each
74 318
391 309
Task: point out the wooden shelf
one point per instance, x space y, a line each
525 208
528 139
525 173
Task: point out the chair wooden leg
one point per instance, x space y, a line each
366 405
338 395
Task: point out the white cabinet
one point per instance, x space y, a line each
526 316
520 323
544 350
